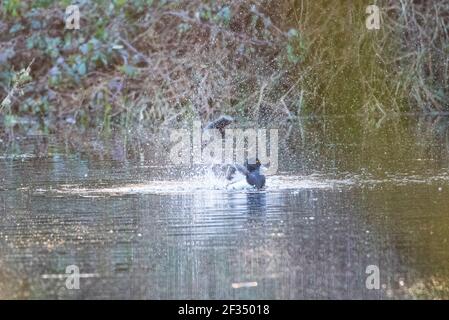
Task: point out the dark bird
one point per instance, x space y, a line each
227 170
221 123
251 170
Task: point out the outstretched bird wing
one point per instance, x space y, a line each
242 169
221 123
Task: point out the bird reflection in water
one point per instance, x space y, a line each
257 202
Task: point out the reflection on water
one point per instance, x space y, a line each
138 228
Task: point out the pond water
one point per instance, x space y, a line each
350 193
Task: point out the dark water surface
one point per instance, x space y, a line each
349 193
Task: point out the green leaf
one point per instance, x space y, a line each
84 48
16 28
36 24
10 120
81 68
30 43
291 54
129 70
120 3
224 15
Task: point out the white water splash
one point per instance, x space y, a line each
202 184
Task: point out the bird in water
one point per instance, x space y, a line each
251 169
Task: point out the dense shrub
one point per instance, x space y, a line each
160 61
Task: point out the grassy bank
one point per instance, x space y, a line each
150 61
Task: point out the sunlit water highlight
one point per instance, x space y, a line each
202 184
277 183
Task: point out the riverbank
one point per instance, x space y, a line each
160 62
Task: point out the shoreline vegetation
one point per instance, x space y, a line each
165 62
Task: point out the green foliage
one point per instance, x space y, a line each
129 70
12 7
149 59
296 49
68 60
224 15
18 80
